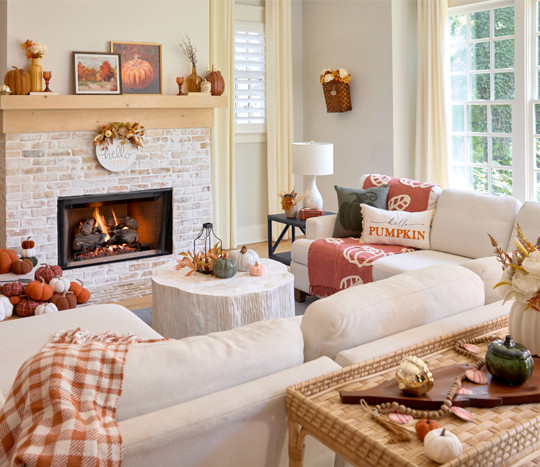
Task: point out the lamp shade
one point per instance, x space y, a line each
313 158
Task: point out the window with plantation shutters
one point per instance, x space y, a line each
249 76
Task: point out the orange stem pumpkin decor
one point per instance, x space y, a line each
39 290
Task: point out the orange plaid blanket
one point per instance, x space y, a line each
62 406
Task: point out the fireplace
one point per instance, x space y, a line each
98 229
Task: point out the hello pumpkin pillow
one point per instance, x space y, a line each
404 228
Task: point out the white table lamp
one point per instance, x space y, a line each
313 159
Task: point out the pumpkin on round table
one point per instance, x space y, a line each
39 290
82 294
225 267
27 306
424 426
64 301
137 73
12 289
6 308
257 269
217 81
60 284
244 257
45 308
19 81
48 272
22 266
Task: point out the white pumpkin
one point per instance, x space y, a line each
442 445
6 308
28 252
60 284
45 308
244 257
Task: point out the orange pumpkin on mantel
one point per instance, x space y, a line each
137 73
19 81
217 81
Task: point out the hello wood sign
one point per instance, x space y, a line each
117 156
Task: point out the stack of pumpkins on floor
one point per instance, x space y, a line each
47 293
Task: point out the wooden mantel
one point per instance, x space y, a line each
36 114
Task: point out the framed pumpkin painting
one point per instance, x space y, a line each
141 67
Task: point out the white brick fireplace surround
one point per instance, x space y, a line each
37 168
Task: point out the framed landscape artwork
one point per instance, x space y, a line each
97 73
141 67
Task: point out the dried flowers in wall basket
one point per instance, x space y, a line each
336 89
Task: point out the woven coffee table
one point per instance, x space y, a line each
497 436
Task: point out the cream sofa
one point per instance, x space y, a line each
458 236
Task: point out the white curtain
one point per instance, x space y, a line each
222 55
279 110
432 143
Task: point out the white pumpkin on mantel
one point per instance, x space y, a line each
524 327
244 257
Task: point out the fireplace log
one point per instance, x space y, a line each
90 241
128 222
120 236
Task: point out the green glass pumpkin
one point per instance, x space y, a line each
508 362
225 267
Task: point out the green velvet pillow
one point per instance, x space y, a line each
349 216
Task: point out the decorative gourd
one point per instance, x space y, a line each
5 262
27 306
217 81
33 259
19 81
12 255
14 299
257 269
64 301
508 362
59 284
28 252
442 446
82 294
48 272
39 290
424 426
28 244
244 257
12 289
45 308
137 73
22 266
225 267
6 308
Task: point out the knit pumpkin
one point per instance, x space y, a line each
27 244
12 289
244 257
27 306
59 284
48 272
82 294
424 426
12 255
6 308
22 266
64 301
14 299
5 262
33 259
45 308
19 81
39 290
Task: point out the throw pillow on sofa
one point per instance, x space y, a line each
350 200
397 227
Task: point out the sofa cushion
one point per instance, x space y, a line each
199 365
382 227
527 218
463 220
372 311
349 216
404 194
392 265
490 271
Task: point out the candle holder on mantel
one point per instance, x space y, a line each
47 77
180 82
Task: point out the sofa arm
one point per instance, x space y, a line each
243 425
320 227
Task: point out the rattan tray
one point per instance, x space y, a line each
498 436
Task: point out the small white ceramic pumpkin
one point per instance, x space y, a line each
59 284
244 257
442 445
45 308
6 308
257 269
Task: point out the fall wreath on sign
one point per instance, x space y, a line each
124 131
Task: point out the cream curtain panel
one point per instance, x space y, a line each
432 141
279 110
222 55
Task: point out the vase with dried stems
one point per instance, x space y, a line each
193 81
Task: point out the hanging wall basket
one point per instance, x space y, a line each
337 96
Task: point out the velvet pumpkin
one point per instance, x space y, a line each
44 308
6 308
39 290
64 301
442 446
424 426
12 255
22 266
59 284
5 262
225 267
12 289
82 294
14 299
19 81
26 244
27 306
137 73
48 272
33 259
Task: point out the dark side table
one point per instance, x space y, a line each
284 257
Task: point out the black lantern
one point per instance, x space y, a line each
210 246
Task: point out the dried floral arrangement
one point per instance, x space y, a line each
189 50
288 200
521 271
34 49
199 261
341 75
125 131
